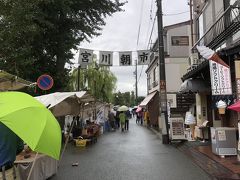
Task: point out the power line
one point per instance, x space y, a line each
140 22
152 31
176 13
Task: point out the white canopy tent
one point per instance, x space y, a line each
66 103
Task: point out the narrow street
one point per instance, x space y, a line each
135 155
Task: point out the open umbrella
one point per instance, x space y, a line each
123 108
31 121
235 106
138 109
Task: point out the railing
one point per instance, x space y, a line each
224 27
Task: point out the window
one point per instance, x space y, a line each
180 41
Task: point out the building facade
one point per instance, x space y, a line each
176 47
216 24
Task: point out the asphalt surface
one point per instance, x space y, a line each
134 155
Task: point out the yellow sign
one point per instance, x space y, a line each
237 69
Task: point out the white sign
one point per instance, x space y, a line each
222 135
172 100
85 57
177 128
100 116
105 58
220 79
125 58
143 57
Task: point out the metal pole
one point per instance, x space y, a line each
191 22
162 77
78 78
136 84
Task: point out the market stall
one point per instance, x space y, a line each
44 166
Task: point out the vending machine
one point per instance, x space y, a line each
224 141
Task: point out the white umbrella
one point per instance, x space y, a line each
123 108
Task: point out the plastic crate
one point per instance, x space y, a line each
81 142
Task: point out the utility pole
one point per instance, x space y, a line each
78 78
136 83
162 77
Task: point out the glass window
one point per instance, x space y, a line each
180 40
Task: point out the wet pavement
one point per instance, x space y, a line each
134 155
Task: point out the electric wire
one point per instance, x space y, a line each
151 31
139 30
176 13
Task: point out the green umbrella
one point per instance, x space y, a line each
31 121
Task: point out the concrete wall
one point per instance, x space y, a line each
178 51
175 68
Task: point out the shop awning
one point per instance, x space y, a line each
147 99
196 70
11 82
194 86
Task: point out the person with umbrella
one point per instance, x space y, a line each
10 146
122 117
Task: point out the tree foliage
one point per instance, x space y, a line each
126 98
37 36
99 81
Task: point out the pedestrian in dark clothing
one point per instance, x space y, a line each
117 119
111 120
10 146
128 116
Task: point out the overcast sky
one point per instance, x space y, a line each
121 34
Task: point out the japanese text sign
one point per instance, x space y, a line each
220 79
105 58
125 58
143 57
85 57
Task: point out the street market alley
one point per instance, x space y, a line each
134 155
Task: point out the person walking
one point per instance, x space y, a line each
122 117
140 116
128 116
10 146
117 120
111 120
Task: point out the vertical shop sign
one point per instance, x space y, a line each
220 79
237 74
177 128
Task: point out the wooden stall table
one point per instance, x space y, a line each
44 166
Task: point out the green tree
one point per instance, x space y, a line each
99 81
126 98
38 36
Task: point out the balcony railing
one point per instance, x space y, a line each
224 27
